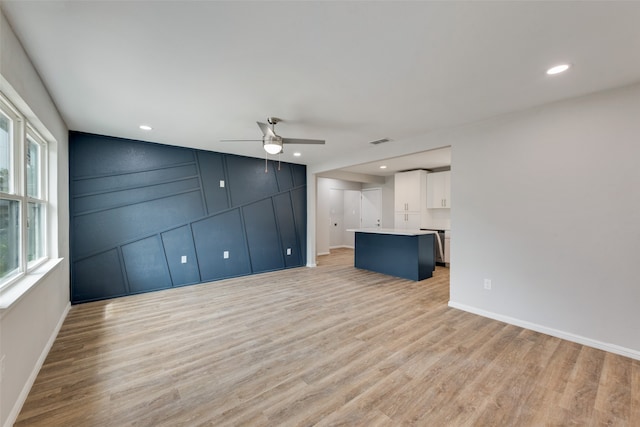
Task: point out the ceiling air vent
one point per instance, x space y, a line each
379 141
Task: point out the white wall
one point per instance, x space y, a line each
28 327
336 217
547 206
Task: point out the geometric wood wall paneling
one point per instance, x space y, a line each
116 156
178 243
124 197
106 183
211 167
138 208
286 225
248 180
299 201
263 239
284 176
145 265
108 228
98 277
213 237
299 173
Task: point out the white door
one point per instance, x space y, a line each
371 208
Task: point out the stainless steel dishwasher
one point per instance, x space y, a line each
438 243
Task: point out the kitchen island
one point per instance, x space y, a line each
397 252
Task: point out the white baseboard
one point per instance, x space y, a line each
611 348
323 253
340 247
22 397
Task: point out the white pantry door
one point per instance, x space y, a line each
371 208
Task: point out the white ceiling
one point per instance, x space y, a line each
346 72
431 159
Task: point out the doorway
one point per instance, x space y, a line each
350 209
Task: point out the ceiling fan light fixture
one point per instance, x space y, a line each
272 147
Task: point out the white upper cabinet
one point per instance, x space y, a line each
439 190
410 191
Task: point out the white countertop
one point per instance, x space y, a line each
397 231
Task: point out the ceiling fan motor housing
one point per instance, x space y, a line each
269 139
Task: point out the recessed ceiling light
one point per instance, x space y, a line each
383 167
297 154
145 127
558 69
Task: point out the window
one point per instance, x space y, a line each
23 196
36 203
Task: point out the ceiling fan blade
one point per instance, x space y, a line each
240 140
302 141
266 130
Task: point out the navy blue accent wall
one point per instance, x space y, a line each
178 243
139 209
216 235
260 224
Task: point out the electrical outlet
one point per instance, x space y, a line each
487 284
288 251
222 183
225 254
183 259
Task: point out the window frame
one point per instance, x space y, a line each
41 199
20 134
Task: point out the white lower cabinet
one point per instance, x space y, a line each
407 221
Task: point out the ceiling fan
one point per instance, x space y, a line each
271 142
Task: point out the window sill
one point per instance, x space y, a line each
16 291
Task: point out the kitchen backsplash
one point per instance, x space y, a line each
437 219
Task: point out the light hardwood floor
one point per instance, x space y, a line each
326 346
